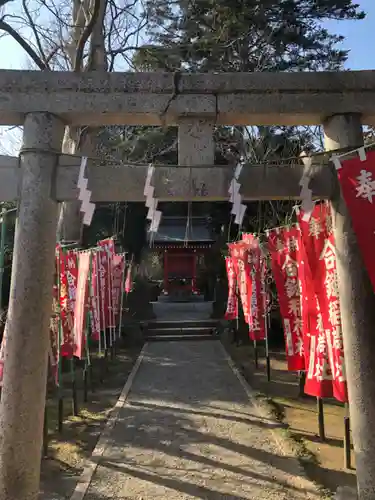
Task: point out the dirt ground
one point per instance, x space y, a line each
322 461
68 451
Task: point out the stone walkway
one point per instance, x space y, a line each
188 430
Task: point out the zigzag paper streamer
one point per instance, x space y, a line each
153 215
238 208
87 208
240 215
155 222
150 173
307 204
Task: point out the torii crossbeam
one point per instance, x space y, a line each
45 102
121 182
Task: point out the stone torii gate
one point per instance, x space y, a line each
44 102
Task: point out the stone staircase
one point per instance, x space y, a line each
163 330
181 321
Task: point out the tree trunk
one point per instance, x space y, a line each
82 141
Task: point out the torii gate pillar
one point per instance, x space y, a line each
196 148
195 142
25 373
357 303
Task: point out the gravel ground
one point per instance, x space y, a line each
188 430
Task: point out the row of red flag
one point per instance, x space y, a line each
87 296
303 264
87 299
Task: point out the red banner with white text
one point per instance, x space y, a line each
257 330
283 246
94 299
71 270
105 281
357 181
81 304
239 254
118 265
232 303
318 240
318 372
67 289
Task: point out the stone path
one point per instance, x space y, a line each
188 430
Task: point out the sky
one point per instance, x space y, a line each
359 39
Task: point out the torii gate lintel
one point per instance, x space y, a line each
121 182
42 100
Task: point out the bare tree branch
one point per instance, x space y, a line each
85 36
27 48
35 31
3 2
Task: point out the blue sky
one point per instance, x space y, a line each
359 39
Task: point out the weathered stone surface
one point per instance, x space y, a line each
190 431
262 82
126 183
357 306
345 493
159 98
196 144
27 330
272 182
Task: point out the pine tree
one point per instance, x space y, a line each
245 35
248 36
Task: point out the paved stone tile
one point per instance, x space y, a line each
190 431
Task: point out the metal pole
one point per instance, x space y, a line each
266 323
320 407
255 354
347 447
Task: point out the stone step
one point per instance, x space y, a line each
169 338
209 323
175 330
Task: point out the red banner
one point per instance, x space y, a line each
53 353
81 303
318 240
66 307
257 329
283 245
118 266
105 282
239 254
71 266
94 299
357 180
246 262
128 281
318 372
232 303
